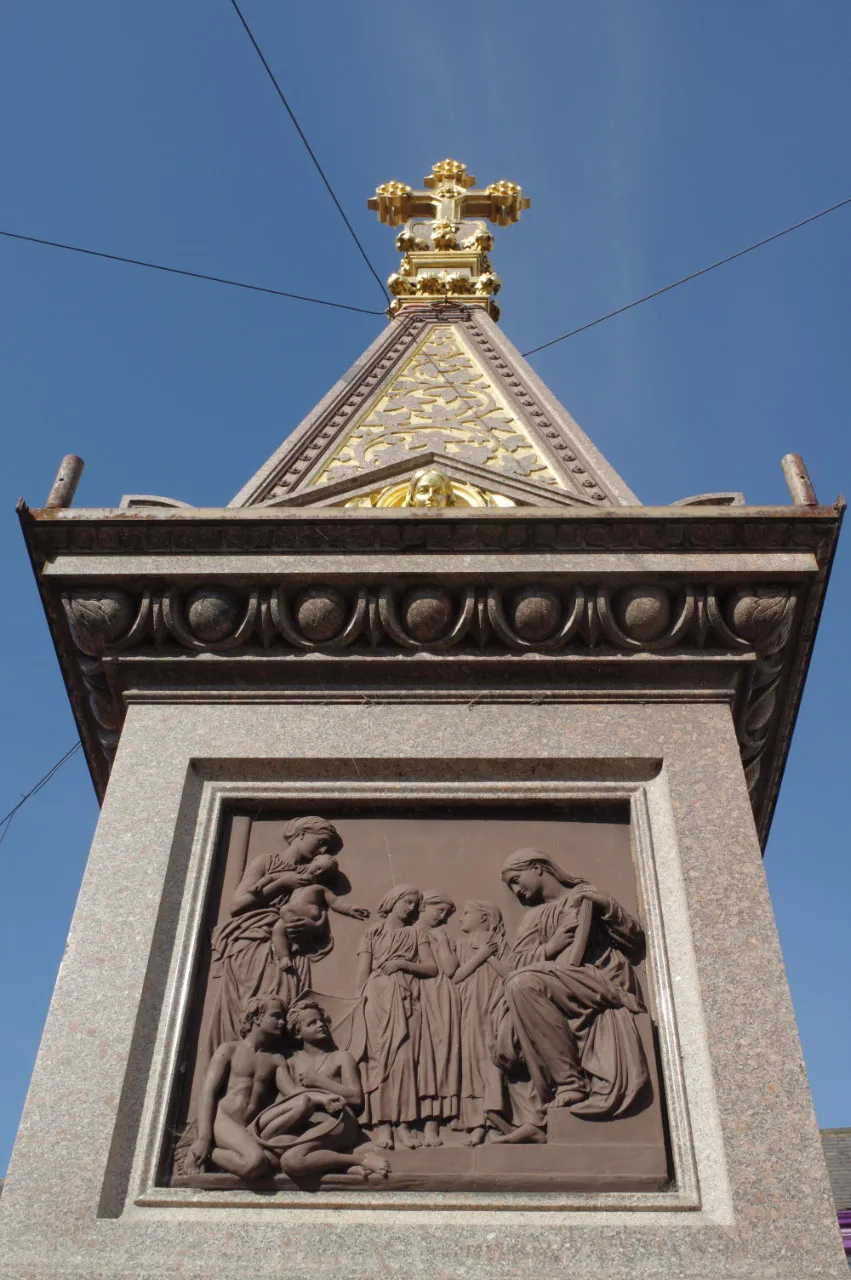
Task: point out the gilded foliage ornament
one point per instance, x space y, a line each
441 401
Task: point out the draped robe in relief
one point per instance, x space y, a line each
575 1023
244 963
482 1009
386 1032
278 1131
438 1062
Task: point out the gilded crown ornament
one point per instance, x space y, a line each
444 238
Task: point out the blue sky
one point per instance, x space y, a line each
653 138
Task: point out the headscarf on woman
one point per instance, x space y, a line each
522 858
390 899
575 1023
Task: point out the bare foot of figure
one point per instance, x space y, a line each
432 1136
372 1163
406 1137
475 1137
523 1133
567 1096
383 1137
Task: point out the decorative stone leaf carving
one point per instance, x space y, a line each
97 618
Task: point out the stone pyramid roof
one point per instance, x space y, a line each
441 382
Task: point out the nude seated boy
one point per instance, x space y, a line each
243 1078
309 902
244 1130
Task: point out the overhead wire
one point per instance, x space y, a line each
309 149
366 311
194 275
6 822
685 279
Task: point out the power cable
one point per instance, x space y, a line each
6 822
194 275
685 279
310 152
366 311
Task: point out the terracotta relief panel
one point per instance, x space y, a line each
435 999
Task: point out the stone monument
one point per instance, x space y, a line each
425 931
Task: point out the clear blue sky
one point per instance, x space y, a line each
653 138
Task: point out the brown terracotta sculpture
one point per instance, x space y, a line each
244 963
394 955
438 1061
309 1129
452 1035
309 901
482 1009
242 1078
330 1078
572 993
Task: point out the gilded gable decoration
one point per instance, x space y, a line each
441 400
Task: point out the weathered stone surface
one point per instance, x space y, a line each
535 613
212 615
427 612
765 1210
644 612
98 617
320 613
754 612
593 653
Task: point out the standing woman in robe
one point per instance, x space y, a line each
243 961
479 985
438 1063
394 956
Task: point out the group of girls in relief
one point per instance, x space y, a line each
451 1030
471 1033
428 1016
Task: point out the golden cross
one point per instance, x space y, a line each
450 196
449 260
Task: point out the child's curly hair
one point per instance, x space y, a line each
253 1011
297 1011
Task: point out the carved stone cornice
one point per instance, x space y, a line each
549 603
198 531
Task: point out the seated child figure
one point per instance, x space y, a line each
242 1079
242 1129
309 902
318 1064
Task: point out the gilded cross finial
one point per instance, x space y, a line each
445 239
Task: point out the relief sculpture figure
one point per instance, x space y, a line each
482 1009
498 1101
572 994
255 1119
453 1036
394 956
309 902
244 961
438 1064
330 1077
243 1077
